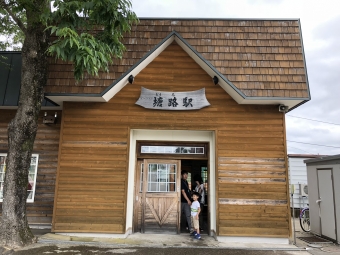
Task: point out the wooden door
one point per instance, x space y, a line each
159 196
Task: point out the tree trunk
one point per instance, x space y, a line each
14 229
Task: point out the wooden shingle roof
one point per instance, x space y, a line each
260 59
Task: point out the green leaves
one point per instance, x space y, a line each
89 33
86 52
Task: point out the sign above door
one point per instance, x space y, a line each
163 100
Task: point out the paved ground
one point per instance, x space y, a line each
167 244
90 250
314 248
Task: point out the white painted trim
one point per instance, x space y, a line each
257 240
291 102
64 98
170 135
35 176
121 84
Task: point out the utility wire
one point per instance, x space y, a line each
314 144
313 120
299 149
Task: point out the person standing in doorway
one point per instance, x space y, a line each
200 190
186 199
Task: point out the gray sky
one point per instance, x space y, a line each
321 36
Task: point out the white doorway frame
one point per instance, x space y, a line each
170 135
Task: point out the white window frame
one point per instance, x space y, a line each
169 149
31 200
156 183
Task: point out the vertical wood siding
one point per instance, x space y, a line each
250 168
46 145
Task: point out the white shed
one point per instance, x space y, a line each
298 176
324 195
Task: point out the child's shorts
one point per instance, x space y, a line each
194 222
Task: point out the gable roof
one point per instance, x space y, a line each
10 81
257 61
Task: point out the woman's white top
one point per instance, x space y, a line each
200 190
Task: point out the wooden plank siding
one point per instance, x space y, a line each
251 186
46 145
91 179
246 184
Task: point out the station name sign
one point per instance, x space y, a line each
162 100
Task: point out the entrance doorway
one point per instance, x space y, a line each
157 207
197 171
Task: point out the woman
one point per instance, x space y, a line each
200 189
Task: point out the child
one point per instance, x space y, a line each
195 211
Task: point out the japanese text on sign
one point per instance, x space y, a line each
162 100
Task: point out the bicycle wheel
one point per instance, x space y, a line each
304 220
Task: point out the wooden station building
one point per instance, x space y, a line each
203 95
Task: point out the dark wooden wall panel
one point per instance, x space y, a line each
250 169
46 145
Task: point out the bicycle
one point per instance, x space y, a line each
304 219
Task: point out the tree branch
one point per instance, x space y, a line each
15 18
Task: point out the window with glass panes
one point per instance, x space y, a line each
32 176
172 149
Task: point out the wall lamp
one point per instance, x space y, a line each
131 79
50 119
215 80
283 108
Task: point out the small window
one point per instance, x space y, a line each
32 176
172 149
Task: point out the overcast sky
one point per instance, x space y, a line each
320 23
